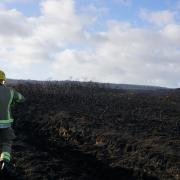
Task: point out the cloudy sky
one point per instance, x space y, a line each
118 41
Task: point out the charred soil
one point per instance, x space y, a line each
67 131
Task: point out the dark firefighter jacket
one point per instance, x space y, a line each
8 96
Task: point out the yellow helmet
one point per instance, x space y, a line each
2 76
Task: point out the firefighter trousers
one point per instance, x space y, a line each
6 139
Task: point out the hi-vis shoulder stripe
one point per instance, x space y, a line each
10 101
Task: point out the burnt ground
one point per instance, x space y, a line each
74 132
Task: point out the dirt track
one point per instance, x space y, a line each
75 132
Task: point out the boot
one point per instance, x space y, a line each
5 165
7 170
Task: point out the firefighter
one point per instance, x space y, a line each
8 96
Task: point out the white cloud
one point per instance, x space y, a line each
159 18
125 55
30 40
62 9
172 33
13 23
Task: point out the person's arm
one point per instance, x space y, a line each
18 97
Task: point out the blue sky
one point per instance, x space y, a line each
118 41
115 9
